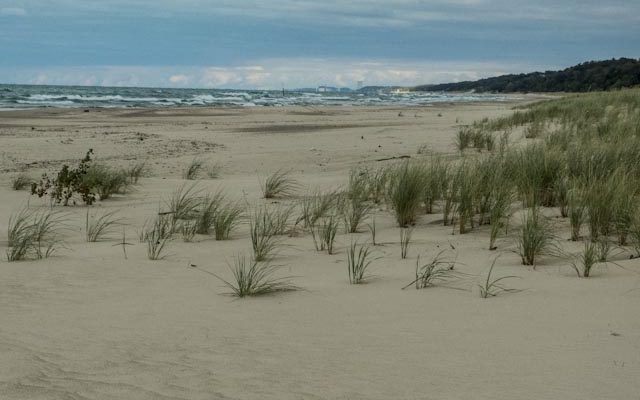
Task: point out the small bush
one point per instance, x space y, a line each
67 183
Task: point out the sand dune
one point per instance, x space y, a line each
89 323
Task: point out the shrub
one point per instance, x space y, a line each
67 183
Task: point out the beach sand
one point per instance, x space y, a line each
89 324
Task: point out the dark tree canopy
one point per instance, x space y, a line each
585 77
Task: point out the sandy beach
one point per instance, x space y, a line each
90 323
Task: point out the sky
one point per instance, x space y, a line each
270 44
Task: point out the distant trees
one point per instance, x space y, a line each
586 77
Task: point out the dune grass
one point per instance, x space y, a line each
317 205
359 259
194 169
405 191
535 237
34 233
263 230
405 240
324 233
492 287
157 236
99 225
21 181
184 204
207 210
280 184
136 171
253 278
439 270
226 219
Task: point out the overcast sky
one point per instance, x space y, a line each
304 43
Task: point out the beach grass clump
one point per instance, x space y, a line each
405 239
207 210
439 270
214 171
317 205
263 229
463 138
157 235
21 181
136 171
354 204
105 181
405 192
499 213
194 169
226 219
435 179
98 226
280 184
34 234
184 204
188 230
359 259
253 278
492 287
535 171
324 233
584 262
534 238
466 187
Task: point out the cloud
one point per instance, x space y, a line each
271 73
13 11
369 13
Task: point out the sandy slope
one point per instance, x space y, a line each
90 324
